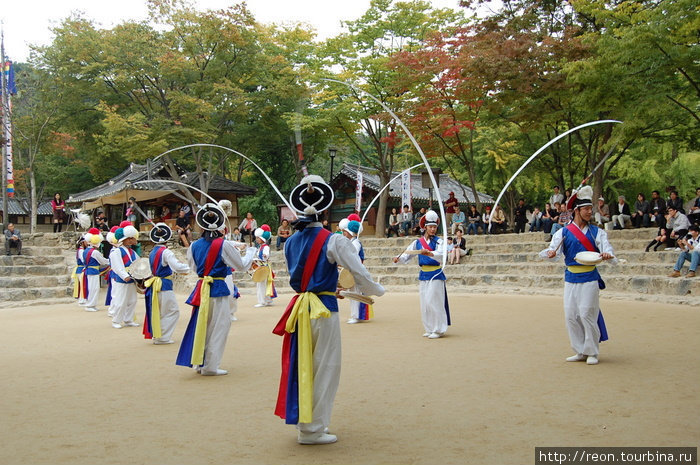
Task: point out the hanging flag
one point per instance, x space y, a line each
9 72
406 189
358 192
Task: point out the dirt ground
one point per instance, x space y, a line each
77 391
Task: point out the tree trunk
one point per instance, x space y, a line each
381 208
32 200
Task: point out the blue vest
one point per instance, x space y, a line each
79 260
131 257
260 252
162 271
571 247
200 250
92 263
325 276
424 260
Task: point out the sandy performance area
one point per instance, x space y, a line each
77 391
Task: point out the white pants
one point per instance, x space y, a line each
325 334
263 299
600 219
123 302
93 284
432 306
581 307
620 220
218 325
169 314
234 301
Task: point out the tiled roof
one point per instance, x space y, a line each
447 185
17 206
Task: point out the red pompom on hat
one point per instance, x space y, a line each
125 223
94 231
114 229
265 228
354 217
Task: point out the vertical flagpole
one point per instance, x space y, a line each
5 215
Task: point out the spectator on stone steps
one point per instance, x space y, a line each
621 213
601 212
677 223
13 239
690 250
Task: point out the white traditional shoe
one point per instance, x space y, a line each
90 309
82 304
214 373
592 360
130 323
233 318
312 439
158 343
352 321
576 358
426 334
258 305
116 326
434 336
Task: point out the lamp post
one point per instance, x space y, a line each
331 153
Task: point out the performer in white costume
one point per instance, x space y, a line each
434 306
78 290
311 351
212 257
95 263
124 296
266 288
162 310
582 283
359 311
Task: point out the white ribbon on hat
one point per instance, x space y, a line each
422 155
540 150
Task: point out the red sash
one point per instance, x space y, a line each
127 257
157 259
425 244
209 263
307 273
583 239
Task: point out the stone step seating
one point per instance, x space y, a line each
42 274
510 262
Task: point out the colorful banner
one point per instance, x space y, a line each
406 189
358 192
8 70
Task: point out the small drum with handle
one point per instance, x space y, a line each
345 279
140 271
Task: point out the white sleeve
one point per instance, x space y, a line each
232 257
555 244
115 261
171 260
190 259
341 251
404 257
97 255
601 240
266 252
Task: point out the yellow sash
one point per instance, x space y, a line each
307 307
429 268
77 278
580 268
200 332
155 283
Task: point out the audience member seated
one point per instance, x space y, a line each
657 209
283 232
621 213
473 220
536 220
393 224
677 223
236 235
416 221
486 219
459 250
601 212
458 219
520 216
498 222
640 216
550 215
675 202
690 251
406 221
694 215
13 239
565 216
184 229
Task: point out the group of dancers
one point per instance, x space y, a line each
311 347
